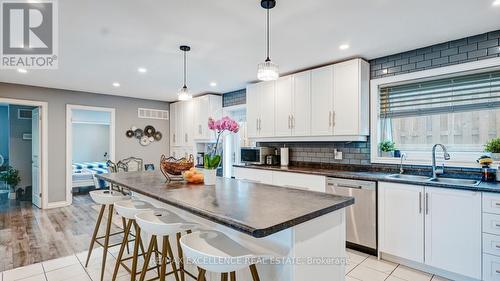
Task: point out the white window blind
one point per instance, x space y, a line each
457 94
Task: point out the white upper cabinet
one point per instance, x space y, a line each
350 98
260 109
186 125
205 107
323 104
301 113
284 106
173 125
453 231
322 101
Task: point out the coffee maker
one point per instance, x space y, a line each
200 159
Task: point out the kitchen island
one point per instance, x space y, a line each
303 230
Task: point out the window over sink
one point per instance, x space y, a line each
461 111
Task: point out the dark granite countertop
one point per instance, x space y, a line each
373 176
255 209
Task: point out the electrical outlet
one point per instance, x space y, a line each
337 154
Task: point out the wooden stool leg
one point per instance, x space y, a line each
233 276
106 241
163 268
157 258
96 230
181 257
137 244
171 256
124 223
223 277
255 274
201 274
147 258
122 249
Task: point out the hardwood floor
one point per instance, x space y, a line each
29 235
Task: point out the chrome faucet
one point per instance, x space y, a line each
435 170
403 157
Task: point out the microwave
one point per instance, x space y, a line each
256 155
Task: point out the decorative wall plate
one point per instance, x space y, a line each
139 133
149 131
129 133
158 136
144 141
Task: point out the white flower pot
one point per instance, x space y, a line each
387 154
495 156
209 176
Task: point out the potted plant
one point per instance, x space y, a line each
493 146
387 148
213 158
11 177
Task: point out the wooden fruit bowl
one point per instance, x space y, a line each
173 168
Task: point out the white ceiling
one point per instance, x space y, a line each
101 42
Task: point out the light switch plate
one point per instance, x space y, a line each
337 154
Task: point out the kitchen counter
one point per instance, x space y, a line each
240 205
286 224
373 176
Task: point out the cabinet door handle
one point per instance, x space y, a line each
186 137
329 119
174 137
333 118
293 122
497 204
497 225
497 271
420 202
426 203
199 129
289 122
257 124
260 124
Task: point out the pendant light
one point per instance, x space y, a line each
267 71
184 92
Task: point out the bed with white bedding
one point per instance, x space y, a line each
83 174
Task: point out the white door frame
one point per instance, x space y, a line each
69 142
44 168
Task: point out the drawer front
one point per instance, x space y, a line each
491 203
491 244
261 176
491 223
300 181
491 268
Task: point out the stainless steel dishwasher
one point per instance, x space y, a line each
361 218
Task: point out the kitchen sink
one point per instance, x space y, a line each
408 177
456 181
451 181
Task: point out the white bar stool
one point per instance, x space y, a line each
215 252
162 223
128 209
105 198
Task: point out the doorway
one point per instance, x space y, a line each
233 142
23 147
90 142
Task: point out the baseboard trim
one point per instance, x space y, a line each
57 204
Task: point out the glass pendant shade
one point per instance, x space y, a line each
267 71
184 94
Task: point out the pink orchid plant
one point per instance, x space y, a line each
226 124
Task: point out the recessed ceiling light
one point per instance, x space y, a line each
344 46
213 84
496 3
116 84
22 70
142 70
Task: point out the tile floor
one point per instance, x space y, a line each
361 267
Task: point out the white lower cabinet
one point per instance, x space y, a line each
401 220
284 179
491 268
491 236
437 227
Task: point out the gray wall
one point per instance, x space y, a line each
126 116
473 48
4 131
90 142
19 149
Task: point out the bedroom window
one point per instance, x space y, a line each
461 112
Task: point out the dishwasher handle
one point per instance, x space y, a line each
351 184
346 185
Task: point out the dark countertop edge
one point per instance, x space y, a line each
230 223
377 176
